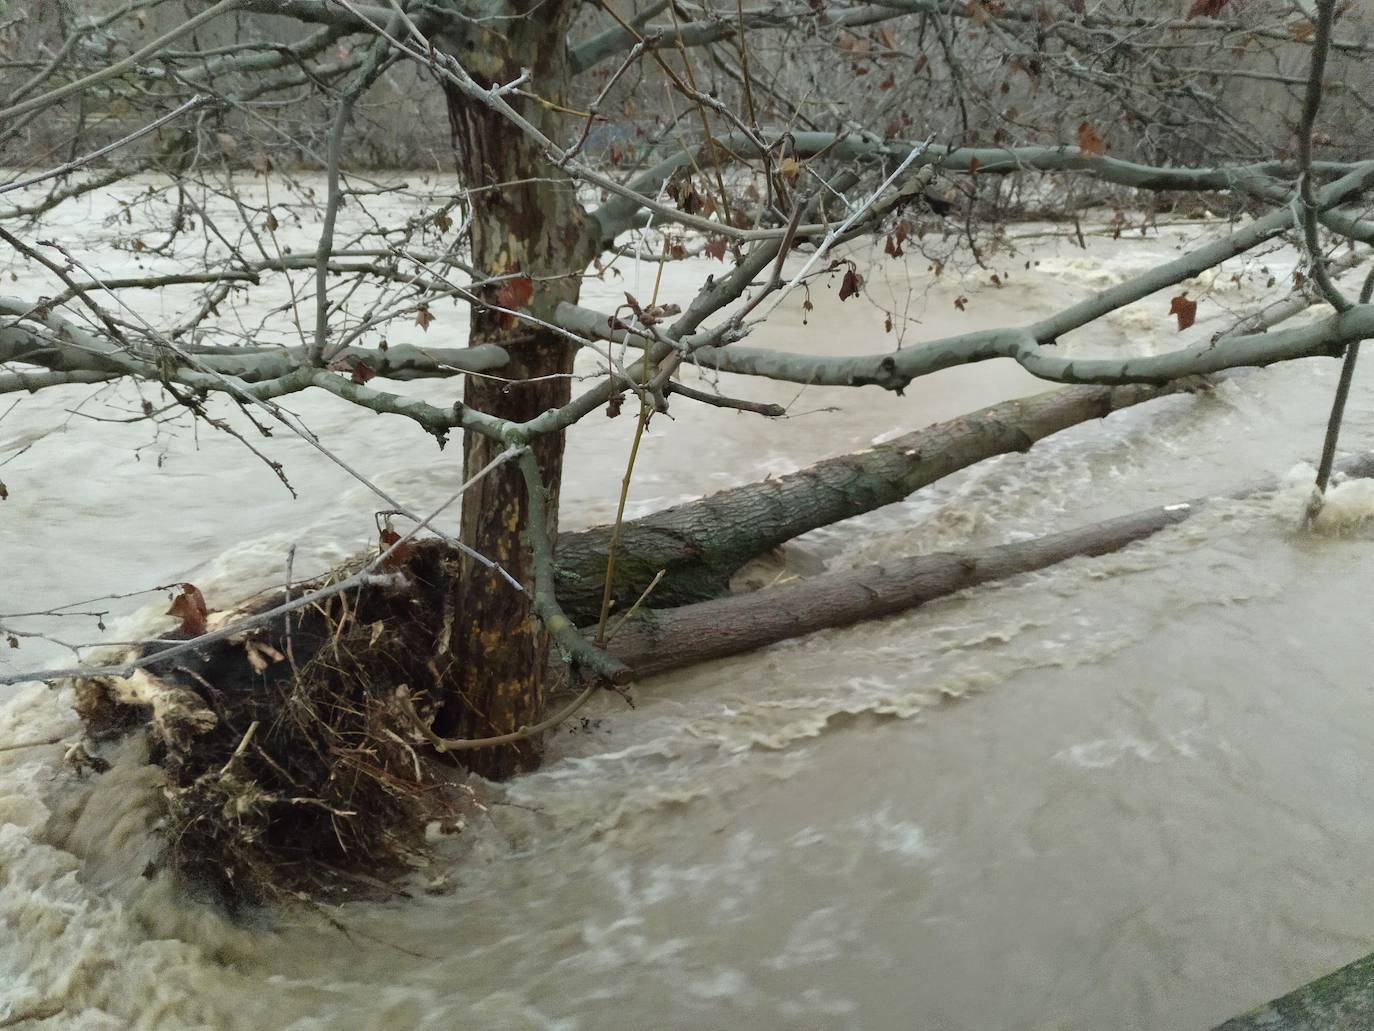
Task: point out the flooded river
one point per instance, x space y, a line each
1126 792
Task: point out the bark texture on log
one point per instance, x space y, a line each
657 641
669 639
703 543
532 227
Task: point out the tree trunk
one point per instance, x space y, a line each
703 543
534 226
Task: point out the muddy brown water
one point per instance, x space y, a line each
1127 792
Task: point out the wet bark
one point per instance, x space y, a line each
671 639
494 681
703 543
659 641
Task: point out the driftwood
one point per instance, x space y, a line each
663 640
703 543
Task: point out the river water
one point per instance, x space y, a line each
1125 792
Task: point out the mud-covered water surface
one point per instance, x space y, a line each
1125 792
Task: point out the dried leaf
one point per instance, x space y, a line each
683 193
887 324
1205 9
1185 309
1089 142
789 167
715 248
887 37
973 166
4 491
272 224
851 285
893 247
423 317
615 404
189 607
442 222
397 558
362 372
961 302
226 142
1302 31
889 82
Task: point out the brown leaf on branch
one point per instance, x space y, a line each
1206 9
362 372
189 607
1185 309
683 193
893 247
423 317
1302 31
1089 142
851 285
715 248
397 558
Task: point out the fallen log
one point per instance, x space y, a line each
657 641
703 543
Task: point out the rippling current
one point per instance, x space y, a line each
1126 792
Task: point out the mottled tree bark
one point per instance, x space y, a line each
534 226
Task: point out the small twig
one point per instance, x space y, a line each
1307 201
644 594
720 401
243 743
1333 423
58 740
452 744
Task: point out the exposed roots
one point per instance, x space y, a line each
291 771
